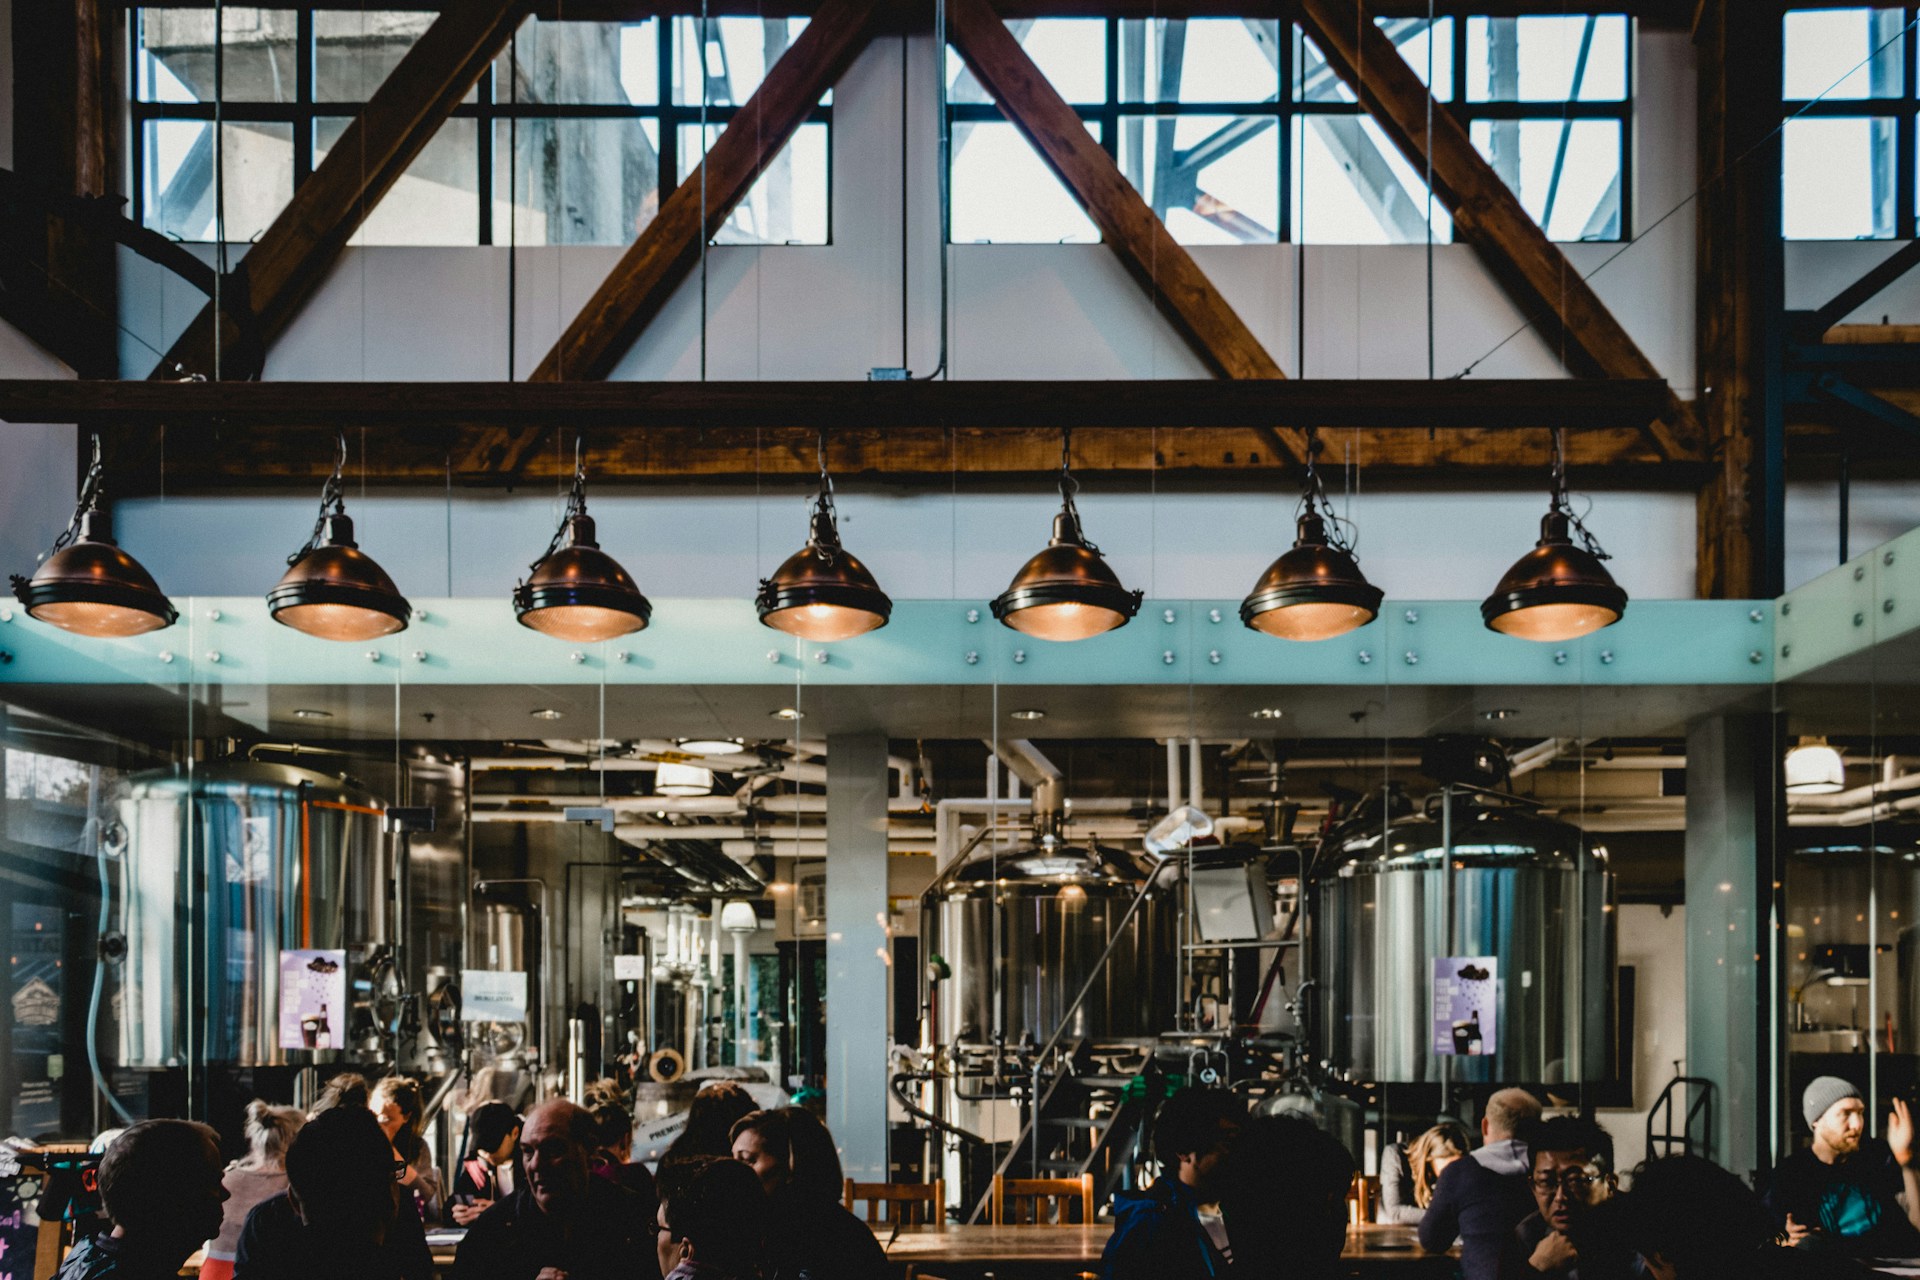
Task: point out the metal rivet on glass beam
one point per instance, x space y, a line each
1756 657
1213 615
1365 656
419 655
1166 615
1413 659
213 655
973 657
973 615
1886 606
1019 655
166 655
1754 615
1167 657
1413 615
1560 658
1213 656
373 655
576 656
1606 656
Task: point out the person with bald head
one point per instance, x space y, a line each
1482 1197
561 1223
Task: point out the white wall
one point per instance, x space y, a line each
1653 941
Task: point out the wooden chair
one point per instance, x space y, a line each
1042 1201
909 1203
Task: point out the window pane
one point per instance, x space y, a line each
788 201
175 61
1319 83
736 54
178 189
1212 179
1838 179
436 201
1204 60
1582 58
1070 52
575 181
1831 53
1566 173
355 51
1351 186
602 63
1004 193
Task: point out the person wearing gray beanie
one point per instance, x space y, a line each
1846 1192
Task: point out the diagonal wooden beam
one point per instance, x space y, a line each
293 256
1127 223
1486 213
666 252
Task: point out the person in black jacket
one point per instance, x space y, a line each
564 1224
1284 1195
711 1220
1174 1229
810 1236
491 1169
160 1183
340 1217
1479 1200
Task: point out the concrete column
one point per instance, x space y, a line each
1732 988
856 974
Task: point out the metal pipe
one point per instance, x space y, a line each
1173 774
1196 790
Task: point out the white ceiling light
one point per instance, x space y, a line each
738 917
712 747
683 780
1815 769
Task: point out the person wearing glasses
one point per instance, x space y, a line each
1569 1168
1847 1192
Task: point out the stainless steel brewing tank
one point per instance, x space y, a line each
1525 890
224 866
1024 933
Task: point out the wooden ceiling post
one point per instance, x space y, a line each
668 249
284 267
1531 269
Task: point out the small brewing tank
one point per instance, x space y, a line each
1021 930
1398 889
224 866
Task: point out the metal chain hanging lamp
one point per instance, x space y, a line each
1560 590
332 589
87 584
821 592
575 591
1316 590
1067 591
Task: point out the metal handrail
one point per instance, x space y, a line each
1699 1106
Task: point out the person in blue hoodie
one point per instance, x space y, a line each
1173 1230
1479 1200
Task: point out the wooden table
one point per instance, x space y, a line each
1027 1250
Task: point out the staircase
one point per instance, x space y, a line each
1088 1120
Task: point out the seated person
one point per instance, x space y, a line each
1569 1169
1174 1229
491 1170
1407 1177
1480 1199
1284 1197
1847 1192
160 1183
613 1155
564 1219
811 1236
1689 1219
712 1220
341 1217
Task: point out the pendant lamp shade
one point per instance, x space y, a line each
575 591
333 590
1067 591
93 588
1557 591
1813 768
820 592
1314 592
579 593
87 584
336 591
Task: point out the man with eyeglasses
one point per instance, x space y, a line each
1847 1192
1568 1168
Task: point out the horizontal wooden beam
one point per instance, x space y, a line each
639 407
1666 13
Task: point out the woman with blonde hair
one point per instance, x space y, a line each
1407 1178
397 1103
259 1175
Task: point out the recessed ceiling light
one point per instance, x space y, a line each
1499 713
788 713
547 713
1029 713
310 713
1267 713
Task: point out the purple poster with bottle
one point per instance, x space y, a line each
313 999
1465 1001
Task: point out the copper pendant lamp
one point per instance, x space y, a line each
820 592
332 589
575 591
1560 590
1316 590
1067 591
87 584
